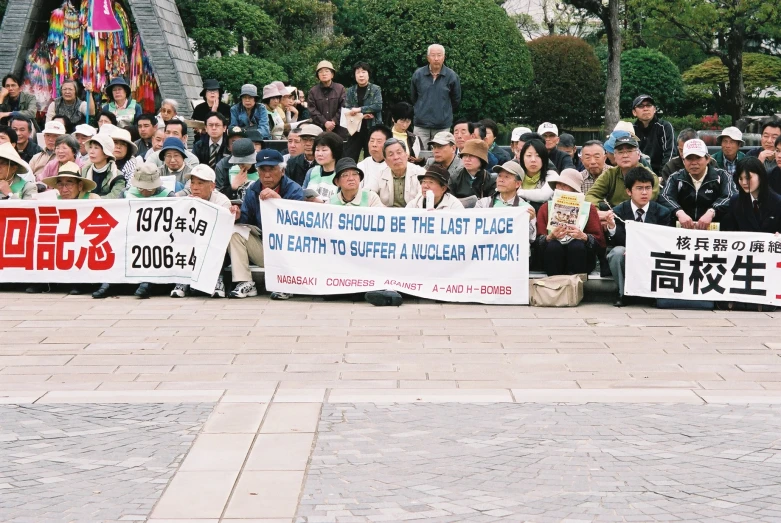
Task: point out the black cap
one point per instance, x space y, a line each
256 137
642 98
626 140
566 140
236 131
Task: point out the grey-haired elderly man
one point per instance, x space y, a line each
435 91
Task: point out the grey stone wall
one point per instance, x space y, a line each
158 22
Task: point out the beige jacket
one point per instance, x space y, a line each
384 184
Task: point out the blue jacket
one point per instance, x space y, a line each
435 101
258 121
250 206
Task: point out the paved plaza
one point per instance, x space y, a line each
306 411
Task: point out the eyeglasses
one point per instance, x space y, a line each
644 106
624 152
642 189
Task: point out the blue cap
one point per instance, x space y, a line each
610 144
268 157
172 143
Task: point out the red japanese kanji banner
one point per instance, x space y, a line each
158 240
686 264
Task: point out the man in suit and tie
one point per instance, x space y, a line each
210 151
639 183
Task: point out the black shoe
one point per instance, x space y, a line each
35 288
143 291
618 303
384 298
102 292
75 291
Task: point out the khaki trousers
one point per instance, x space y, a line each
242 252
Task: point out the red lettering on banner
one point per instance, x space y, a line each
100 254
51 245
17 237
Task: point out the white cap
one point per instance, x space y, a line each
54 127
518 132
203 172
695 146
731 132
547 127
86 130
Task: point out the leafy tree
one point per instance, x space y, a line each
219 26
608 13
710 80
573 98
482 44
239 69
647 71
721 28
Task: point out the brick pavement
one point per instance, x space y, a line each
544 463
90 462
272 367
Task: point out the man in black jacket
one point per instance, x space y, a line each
699 193
212 150
639 183
550 135
656 136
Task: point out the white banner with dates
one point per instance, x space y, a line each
687 264
477 255
156 240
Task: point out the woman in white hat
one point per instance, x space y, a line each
570 248
102 167
249 114
124 152
13 186
271 99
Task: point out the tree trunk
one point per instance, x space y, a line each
613 91
734 64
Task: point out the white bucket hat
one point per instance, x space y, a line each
731 132
122 135
53 127
105 142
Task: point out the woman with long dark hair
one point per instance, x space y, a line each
534 161
756 207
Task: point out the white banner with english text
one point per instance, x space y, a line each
687 264
156 240
475 255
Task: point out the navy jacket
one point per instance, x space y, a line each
741 217
250 206
657 215
435 101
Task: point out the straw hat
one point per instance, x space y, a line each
69 170
8 152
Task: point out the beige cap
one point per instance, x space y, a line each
310 129
731 132
146 176
511 167
203 172
326 64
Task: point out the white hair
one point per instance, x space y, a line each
433 47
170 101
